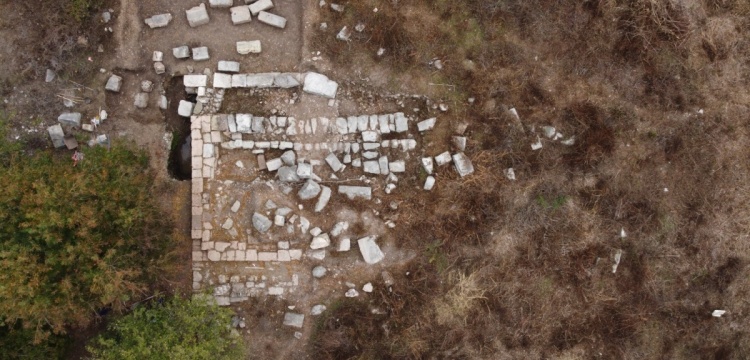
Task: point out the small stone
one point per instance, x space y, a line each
317 310
113 83
147 86
360 27
181 52
240 15
425 125
429 183
370 250
200 53
510 174
310 190
459 142
344 245
235 207
443 158
344 34
463 164
50 76
261 223
159 68
351 293
141 100
294 320
248 47
319 271
321 241
158 21
367 288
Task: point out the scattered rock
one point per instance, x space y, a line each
510 174
367 288
294 319
272 19
319 84
288 174
317 310
429 183
370 250
310 190
181 52
261 223
57 135
141 100
159 68
248 47
344 245
351 293
718 313
344 34
463 164
70 119
443 158
319 271
387 278
427 165
321 241
197 16
201 54
114 83
325 196
353 192
229 66
260 5
426 125
459 142
185 108
220 3
537 145
235 207
158 21
50 76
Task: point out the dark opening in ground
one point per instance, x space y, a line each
179 165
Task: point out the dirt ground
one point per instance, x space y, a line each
654 92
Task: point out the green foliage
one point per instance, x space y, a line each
80 9
178 329
75 239
18 343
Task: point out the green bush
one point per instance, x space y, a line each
75 239
178 329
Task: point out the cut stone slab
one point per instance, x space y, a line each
261 223
70 119
425 125
397 166
310 190
181 52
286 81
463 164
294 320
429 183
333 162
325 196
273 164
370 250
344 244
195 80
158 21
443 158
427 165
57 135
288 157
260 5
371 167
200 53
353 192
272 19
222 81
197 16
401 121
304 170
288 174
220 3
141 100
262 80
319 84
459 142
113 83
321 241
240 15
185 108
229 66
248 47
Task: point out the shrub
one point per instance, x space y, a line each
177 329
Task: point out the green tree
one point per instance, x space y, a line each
178 329
75 239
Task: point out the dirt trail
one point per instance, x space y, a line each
127 31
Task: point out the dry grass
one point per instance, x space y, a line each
627 78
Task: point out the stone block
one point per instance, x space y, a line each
286 80
371 167
185 108
369 136
114 83
229 66
181 52
397 166
304 170
220 3
383 163
427 165
272 19
425 125
261 222
294 320
325 196
273 164
159 68
370 250
240 15
295 254
319 84
57 135
334 162
283 255
262 80
267 256
70 119
310 190
200 53
288 174
158 21
195 80
248 47
197 16
251 255
260 5
429 183
222 81
463 164
353 192
443 159
141 100
402 123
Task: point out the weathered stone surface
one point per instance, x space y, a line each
181 52
141 100
273 164
288 174
383 163
159 68
317 310
397 166
229 66
367 288
70 119
402 124
334 162
197 16
114 83
344 244
325 196
429 183
319 84
194 80
57 135
248 47
370 250
289 158
272 19
200 53
304 170
320 241
294 319
260 5
158 21
310 190
463 164
220 3
262 80
353 192
425 125
50 75
319 271
427 165
286 80
443 158
240 15
222 81
261 223
371 167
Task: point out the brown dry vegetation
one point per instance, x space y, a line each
524 269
